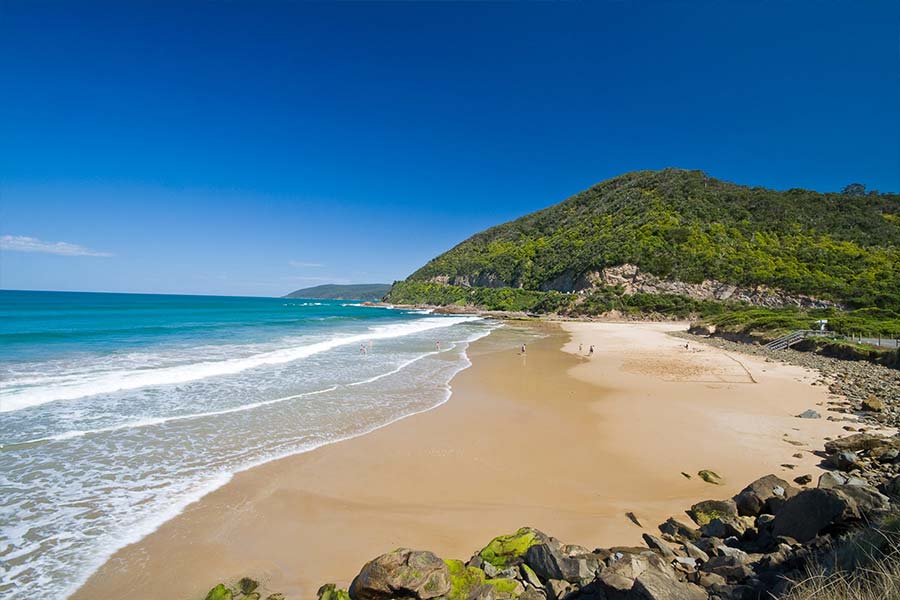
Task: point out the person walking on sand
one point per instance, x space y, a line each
591 350
523 348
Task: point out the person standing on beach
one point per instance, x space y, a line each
591 350
362 349
523 348
580 348
437 345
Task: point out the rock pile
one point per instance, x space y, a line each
750 546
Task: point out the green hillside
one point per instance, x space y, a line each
679 226
372 292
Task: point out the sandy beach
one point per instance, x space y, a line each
553 439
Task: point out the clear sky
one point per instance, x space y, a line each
253 148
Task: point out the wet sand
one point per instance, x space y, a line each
555 440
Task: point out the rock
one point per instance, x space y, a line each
403 573
220 592
330 592
529 576
278 596
809 414
660 546
845 460
873 404
549 562
656 584
766 494
558 588
694 552
732 568
809 512
247 585
678 530
892 487
829 480
858 442
645 577
508 550
710 579
867 498
723 527
533 594
803 479
709 476
707 510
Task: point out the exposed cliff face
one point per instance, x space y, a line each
633 281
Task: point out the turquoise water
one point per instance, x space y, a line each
117 410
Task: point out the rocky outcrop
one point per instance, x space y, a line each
633 280
403 573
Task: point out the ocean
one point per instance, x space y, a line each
118 410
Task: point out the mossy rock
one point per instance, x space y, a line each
504 586
704 512
710 476
247 585
329 591
506 550
220 592
463 580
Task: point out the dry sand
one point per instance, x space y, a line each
561 442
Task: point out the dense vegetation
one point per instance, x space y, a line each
361 291
687 226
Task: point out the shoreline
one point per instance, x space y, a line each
254 498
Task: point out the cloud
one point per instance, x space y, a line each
301 264
22 243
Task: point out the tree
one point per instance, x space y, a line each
854 189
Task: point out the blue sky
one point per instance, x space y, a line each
254 148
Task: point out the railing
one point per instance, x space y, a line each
786 341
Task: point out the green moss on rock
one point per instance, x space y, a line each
220 592
506 549
505 586
463 580
331 592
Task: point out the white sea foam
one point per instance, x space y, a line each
15 398
177 505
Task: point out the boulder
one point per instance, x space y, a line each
548 562
707 510
809 414
867 498
766 494
401 574
858 442
809 512
732 568
656 584
508 550
644 577
654 543
678 530
845 460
